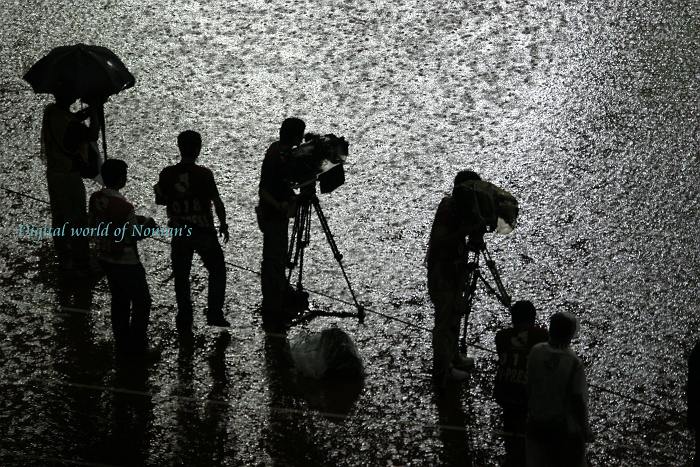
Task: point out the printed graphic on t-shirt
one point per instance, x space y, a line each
189 194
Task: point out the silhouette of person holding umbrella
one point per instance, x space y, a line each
91 74
64 143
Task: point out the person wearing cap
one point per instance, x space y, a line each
557 424
510 389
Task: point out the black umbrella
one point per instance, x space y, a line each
88 72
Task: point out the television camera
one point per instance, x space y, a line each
319 159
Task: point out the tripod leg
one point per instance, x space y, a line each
327 230
295 252
291 254
304 240
502 294
469 292
337 255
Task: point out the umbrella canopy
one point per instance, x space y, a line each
85 71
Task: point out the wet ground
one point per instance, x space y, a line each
586 111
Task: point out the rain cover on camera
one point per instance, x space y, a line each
329 353
486 204
316 156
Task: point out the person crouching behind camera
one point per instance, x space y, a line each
446 261
119 258
276 206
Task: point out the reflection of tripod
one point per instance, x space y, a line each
301 236
476 249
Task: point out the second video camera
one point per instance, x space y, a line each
318 158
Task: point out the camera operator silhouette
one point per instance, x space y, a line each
277 204
64 147
189 190
458 215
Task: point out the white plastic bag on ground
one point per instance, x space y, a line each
326 354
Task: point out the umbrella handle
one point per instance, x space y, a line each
102 127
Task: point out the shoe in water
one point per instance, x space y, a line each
462 362
457 375
220 322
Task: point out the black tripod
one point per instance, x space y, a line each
300 239
476 248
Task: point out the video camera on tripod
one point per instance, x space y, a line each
318 159
484 206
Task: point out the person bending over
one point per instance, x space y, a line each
446 261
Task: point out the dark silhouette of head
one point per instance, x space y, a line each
292 131
64 97
523 314
114 173
464 175
562 328
189 142
463 196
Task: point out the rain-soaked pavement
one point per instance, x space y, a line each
587 111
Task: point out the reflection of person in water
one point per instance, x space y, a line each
693 398
203 434
453 423
287 441
64 141
132 415
76 355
